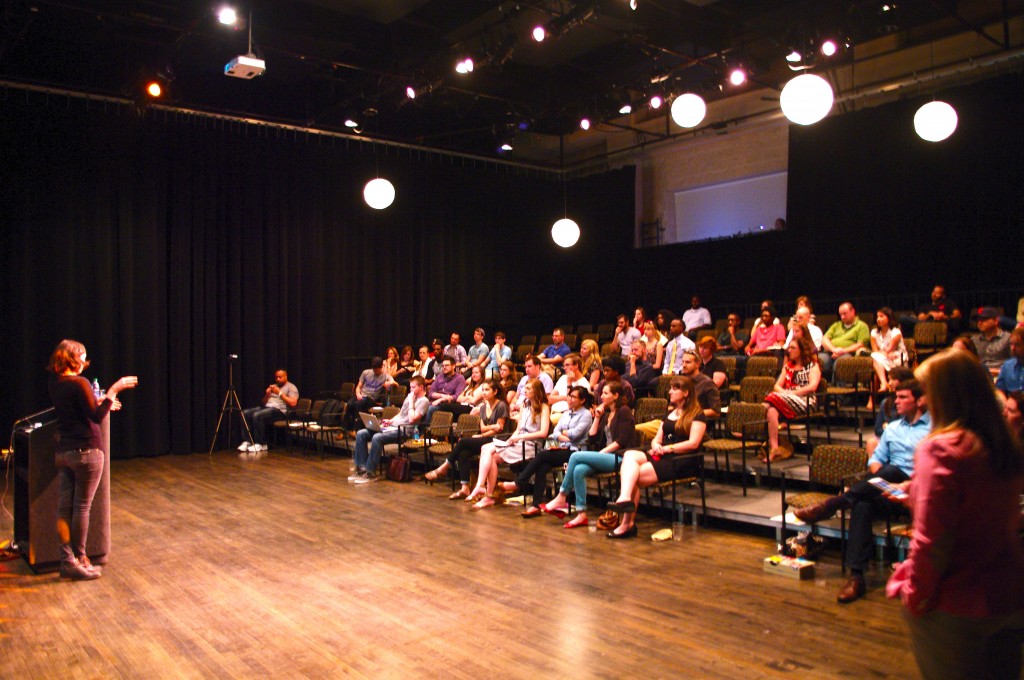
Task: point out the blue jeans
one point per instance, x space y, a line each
78 474
583 464
369 446
258 417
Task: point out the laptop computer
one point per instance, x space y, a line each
370 421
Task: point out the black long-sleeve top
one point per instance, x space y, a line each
78 413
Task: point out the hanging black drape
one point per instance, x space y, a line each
164 243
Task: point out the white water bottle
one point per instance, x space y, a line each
96 389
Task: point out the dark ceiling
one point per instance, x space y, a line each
327 59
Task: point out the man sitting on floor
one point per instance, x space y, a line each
893 461
367 458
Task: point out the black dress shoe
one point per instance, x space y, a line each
853 589
628 533
623 506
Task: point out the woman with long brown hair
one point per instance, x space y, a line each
78 453
681 433
962 586
534 425
794 392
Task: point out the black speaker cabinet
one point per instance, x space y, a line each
36 496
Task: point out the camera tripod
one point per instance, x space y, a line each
231 404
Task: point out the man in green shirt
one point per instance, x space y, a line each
844 338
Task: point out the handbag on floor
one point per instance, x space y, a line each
400 469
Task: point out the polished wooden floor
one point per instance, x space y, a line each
228 568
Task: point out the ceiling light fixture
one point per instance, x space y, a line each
410 92
626 108
379 193
936 120
227 16
829 48
806 99
464 65
737 77
584 123
656 101
688 110
153 89
633 4
539 33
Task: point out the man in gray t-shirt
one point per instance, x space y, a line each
279 396
370 391
370 445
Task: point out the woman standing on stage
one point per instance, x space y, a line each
78 454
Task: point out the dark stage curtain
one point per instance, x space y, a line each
166 242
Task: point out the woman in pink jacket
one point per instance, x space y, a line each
963 586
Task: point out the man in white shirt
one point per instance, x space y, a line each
368 457
696 318
532 368
625 336
803 317
675 348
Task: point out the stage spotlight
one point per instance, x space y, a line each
410 92
227 16
737 77
584 123
794 57
539 33
633 4
626 108
656 101
464 66
829 48
153 89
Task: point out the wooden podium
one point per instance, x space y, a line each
36 497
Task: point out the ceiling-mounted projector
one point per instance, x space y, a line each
245 66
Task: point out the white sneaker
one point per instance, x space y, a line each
366 479
244 446
356 475
258 447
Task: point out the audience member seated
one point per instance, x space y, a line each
767 336
710 365
406 366
965 344
625 336
886 412
446 387
893 461
1011 412
610 434
696 318
639 318
765 304
534 425
734 339
477 354
369 444
793 395
506 381
678 345
555 353
558 398
499 352
456 351
471 395
425 366
938 308
640 374
803 301
662 321
493 413
569 435
704 388
391 362
279 396
681 433
654 346
887 347
370 391
802 317
518 399
845 338
1011 375
613 370
590 362
993 342
437 354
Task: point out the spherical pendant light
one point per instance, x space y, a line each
807 99
935 121
565 232
688 110
379 193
